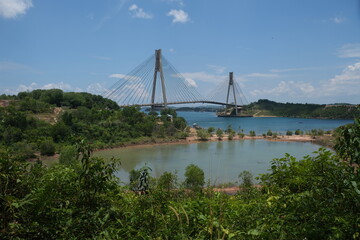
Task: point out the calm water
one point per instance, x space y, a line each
221 161
260 125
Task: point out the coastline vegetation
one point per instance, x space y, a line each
264 107
311 198
80 197
46 121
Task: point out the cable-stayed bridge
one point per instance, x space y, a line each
156 83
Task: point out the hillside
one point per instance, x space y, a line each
47 121
265 107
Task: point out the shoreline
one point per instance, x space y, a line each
195 140
192 139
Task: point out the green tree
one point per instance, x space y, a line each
348 142
179 123
219 133
47 147
60 131
231 134
134 176
246 179
167 181
203 135
168 111
298 132
211 130
68 155
241 133
194 178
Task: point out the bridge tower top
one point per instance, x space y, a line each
232 87
158 69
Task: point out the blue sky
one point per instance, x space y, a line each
283 50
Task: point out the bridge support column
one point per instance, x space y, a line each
231 85
158 69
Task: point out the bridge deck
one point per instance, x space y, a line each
173 103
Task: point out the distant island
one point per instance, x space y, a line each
268 108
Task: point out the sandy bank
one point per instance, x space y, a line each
193 140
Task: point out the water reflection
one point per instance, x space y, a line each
221 161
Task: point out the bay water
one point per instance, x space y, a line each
261 124
222 161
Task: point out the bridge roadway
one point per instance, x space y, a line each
172 103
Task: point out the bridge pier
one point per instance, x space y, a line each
231 85
158 69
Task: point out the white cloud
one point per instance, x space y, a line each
190 82
60 85
346 83
123 76
296 69
338 20
342 86
24 88
290 88
96 88
14 8
350 50
179 16
217 68
262 75
137 12
203 77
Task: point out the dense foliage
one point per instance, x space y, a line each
313 198
81 198
45 121
340 111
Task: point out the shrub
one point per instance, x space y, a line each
241 133
134 176
167 181
211 130
68 155
203 135
231 134
23 150
289 133
269 133
246 179
182 135
298 132
194 177
47 147
219 133
252 133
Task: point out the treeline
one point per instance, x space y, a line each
80 198
39 100
24 130
267 107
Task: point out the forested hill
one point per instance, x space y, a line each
47 121
335 111
41 100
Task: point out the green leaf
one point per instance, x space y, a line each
356 187
254 232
